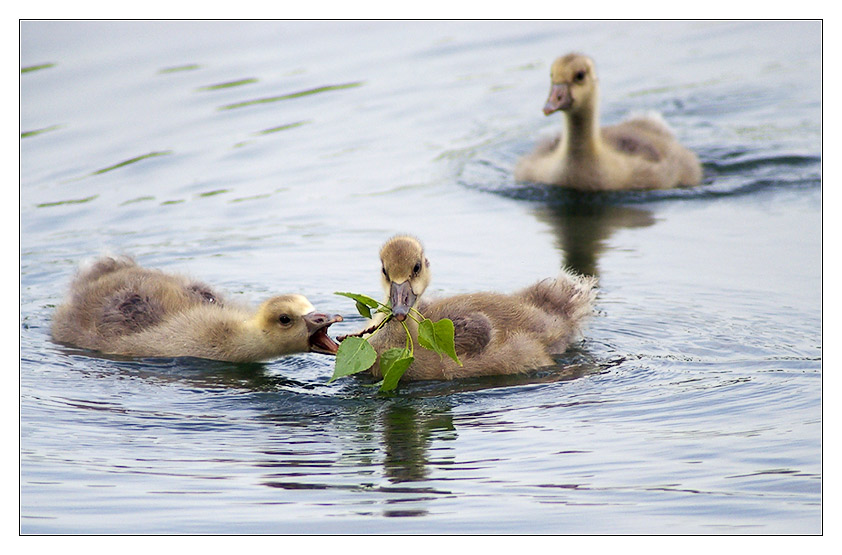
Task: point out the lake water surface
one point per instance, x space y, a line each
270 157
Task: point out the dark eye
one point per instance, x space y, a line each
385 273
580 76
284 319
417 268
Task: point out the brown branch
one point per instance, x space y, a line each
371 329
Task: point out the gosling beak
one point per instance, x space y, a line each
402 299
317 325
559 99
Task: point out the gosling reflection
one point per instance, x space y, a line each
582 228
408 432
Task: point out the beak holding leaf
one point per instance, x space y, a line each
402 299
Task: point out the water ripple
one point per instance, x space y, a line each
288 96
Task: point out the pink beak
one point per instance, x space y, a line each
559 99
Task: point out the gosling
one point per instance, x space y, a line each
494 333
640 153
117 307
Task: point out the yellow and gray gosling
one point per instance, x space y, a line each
494 333
640 153
117 307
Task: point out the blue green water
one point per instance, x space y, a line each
277 157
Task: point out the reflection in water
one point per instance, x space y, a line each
582 228
407 432
384 455
346 444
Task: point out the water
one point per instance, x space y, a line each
693 405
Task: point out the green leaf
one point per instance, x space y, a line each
363 309
393 363
364 303
438 337
354 355
368 301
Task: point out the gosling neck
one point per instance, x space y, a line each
581 137
248 340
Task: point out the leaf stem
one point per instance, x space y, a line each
410 346
416 318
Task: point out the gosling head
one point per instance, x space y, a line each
574 83
404 273
290 324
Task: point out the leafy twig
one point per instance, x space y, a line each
366 331
356 354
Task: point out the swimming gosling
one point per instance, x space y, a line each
494 333
640 153
117 307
